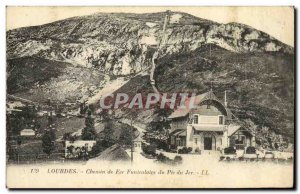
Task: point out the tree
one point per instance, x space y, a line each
50 119
89 133
276 146
22 119
82 108
126 135
160 122
29 113
250 125
108 133
70 150
48 140
157 130
104 115
96 149
59 110
19 140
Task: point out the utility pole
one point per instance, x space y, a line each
133 115
18 156
131 129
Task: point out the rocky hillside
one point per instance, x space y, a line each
256 69
38 79
260 86
122 44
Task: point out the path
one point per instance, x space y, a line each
109 88
135 125
29 143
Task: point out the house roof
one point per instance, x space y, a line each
171 132
181 132
179 113
182 112
209 128
232 129
13 109
28 130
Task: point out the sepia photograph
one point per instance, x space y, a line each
150 97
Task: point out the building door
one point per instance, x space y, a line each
207 143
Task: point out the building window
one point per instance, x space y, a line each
208 104
191 120
182 142
172 140
239 141
196 119
196 141
221 120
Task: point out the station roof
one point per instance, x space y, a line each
182 112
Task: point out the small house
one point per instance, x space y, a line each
75 149
137 144
209 126
27 132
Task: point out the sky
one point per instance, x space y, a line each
276 21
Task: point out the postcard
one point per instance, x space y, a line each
150 97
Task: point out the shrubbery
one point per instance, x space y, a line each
161 145
77 152
96 149
185 150
229 150
149 149
178 159
241 158
166 160
250 150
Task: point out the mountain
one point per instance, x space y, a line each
260 86
121 43
256 69
38 79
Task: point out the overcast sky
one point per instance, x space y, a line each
276 21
